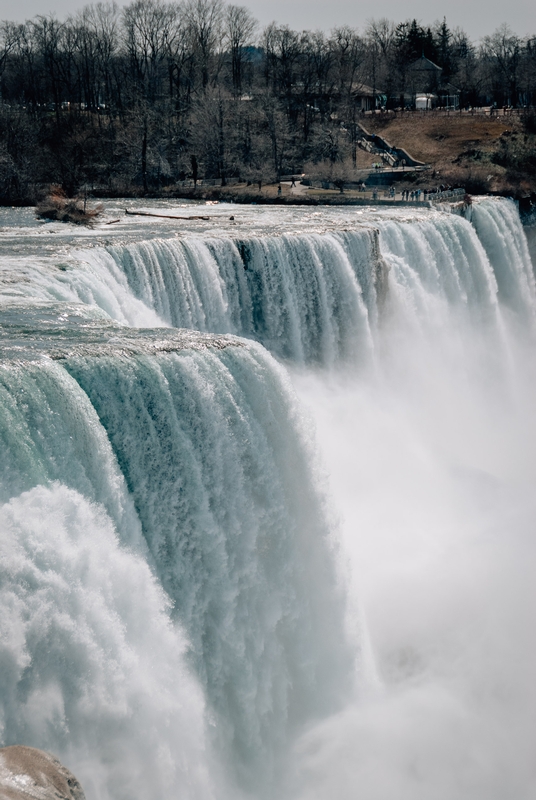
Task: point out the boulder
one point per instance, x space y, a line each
30 774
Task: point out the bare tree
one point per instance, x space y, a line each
46 33
98 27
205 19
380 37
502 52
240 26
348 56
150 30
9 38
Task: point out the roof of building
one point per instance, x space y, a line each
448 88
363 90
424 64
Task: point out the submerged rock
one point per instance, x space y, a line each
30 774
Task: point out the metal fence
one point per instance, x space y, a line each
447 194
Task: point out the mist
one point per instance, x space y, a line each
431 464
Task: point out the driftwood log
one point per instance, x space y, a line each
161 216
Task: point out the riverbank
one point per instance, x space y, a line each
487 155
299 195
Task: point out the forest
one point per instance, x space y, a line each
152 96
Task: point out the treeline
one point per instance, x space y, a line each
140 98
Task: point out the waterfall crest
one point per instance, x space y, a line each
499 228
203 452
217 462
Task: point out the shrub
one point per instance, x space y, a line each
56 206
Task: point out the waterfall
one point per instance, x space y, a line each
432 463
92 669
309 298
305 297
222 486
499 229
201 450
190 603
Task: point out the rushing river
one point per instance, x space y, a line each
267 486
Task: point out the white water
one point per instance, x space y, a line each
92 669
497 225
300 295
433 464
203 450
388 656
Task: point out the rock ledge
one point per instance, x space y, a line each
30 774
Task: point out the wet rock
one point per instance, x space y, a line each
30 774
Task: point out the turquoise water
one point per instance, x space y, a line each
267 501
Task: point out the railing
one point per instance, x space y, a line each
487 111
391 159
447 194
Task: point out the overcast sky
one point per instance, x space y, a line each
477 17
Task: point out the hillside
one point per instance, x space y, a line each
485 154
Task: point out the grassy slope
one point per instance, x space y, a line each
486 154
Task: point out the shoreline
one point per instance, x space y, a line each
269 196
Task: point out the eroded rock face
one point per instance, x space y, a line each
30 774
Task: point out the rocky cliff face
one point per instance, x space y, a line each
30 774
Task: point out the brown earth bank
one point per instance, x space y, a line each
30 774
495 155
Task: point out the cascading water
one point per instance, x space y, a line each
92 669
310 298
432 460
305 297
204 434
497 224
236 531
181 612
